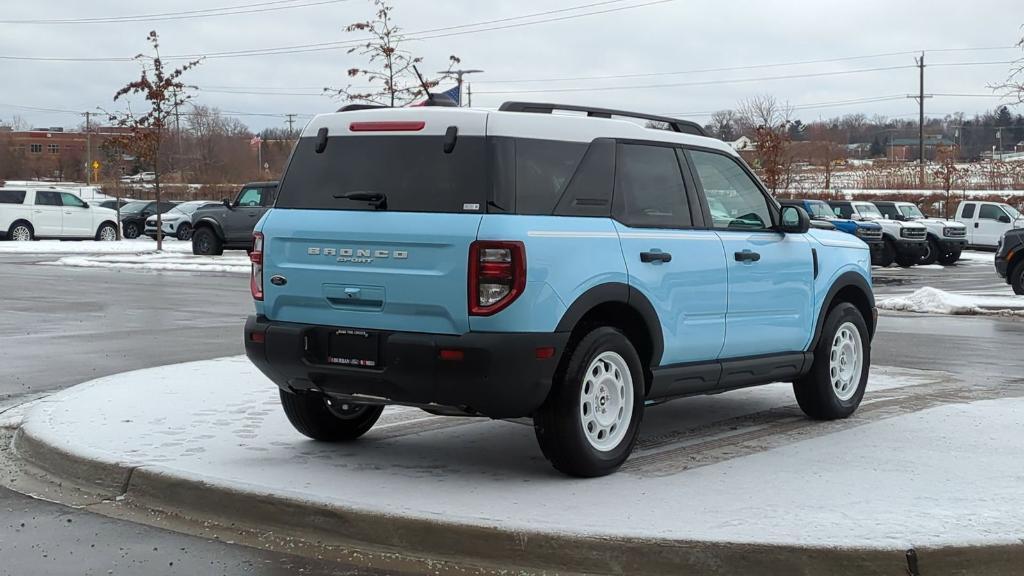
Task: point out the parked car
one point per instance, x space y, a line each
140 177
1010 259
869 232
134 215
946 238
987 221
903 242
600 279
229 224
110 204
30 214
177 222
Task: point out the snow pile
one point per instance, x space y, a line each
233 264
91 247
934 301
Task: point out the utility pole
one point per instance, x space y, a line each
469 95
88 148
920 119
458 78
291 123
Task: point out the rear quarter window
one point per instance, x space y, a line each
968 211
12 196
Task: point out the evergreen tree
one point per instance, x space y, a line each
876 150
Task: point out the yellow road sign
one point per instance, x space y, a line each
95 164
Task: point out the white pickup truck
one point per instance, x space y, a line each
987 221
29 213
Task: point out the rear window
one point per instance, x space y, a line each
412 172
12 196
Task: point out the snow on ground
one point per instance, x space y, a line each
236 262
934 301
92 247
974 256
941 475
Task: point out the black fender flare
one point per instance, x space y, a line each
212 223
846 279
623 294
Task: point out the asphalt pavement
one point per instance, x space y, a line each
61 326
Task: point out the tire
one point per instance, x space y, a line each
131 230
590 421
21 231
206 243
887 254
313 416
184 232
1017 279
949 258
931 255
107 232
905 261
833 388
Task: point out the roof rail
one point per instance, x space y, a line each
677 125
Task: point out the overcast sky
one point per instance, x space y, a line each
671 36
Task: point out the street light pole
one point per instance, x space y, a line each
458 78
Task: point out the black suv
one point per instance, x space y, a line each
134 214
229 226
1010 259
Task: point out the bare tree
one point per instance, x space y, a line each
948 174
770 119
826 151
724 125
391 72
1014 83
165 93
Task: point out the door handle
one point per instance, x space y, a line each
37 211
975 224
67 211
648 257
747 256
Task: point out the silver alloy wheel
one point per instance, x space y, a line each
846 361
21 233
108 234
606 401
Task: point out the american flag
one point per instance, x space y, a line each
256 140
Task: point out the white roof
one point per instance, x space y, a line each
476 122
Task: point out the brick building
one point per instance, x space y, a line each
56 153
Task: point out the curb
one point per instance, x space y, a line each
199 500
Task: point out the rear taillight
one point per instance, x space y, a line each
497 275
256 257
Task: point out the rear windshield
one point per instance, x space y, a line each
12 196
413 173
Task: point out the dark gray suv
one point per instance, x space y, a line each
229 226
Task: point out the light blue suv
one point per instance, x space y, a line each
575 268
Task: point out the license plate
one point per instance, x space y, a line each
352 348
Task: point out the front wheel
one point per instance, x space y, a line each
321 418
590 421
206 243
184 232
835 385
949 258
931 253
131 230
1017 279
887 254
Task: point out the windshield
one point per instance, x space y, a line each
1013 212
819 209
910 211
867 210
134 206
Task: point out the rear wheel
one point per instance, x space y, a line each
887 254
835 385
107 233
589 423
1017 279
20 232
206 243
131 230
949 258
931 254
906 260
321 418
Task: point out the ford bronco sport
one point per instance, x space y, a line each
564 267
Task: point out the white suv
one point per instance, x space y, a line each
27 214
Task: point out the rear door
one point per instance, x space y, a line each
77 218
47 214
374 221
679 269
771 274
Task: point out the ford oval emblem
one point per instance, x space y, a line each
278 280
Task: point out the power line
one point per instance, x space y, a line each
184 15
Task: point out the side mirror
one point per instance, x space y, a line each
856 216
226 203
85 204
1004 219
794 220
146 213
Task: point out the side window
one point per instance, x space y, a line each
47 199
649 190
889 211
71 200
543 170
843 211
251 197
735 200
12 196
968 211
990 212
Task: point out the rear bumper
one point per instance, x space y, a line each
499 375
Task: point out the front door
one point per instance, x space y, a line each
991 223
679 269
47 214
240 221
771 274
77 219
